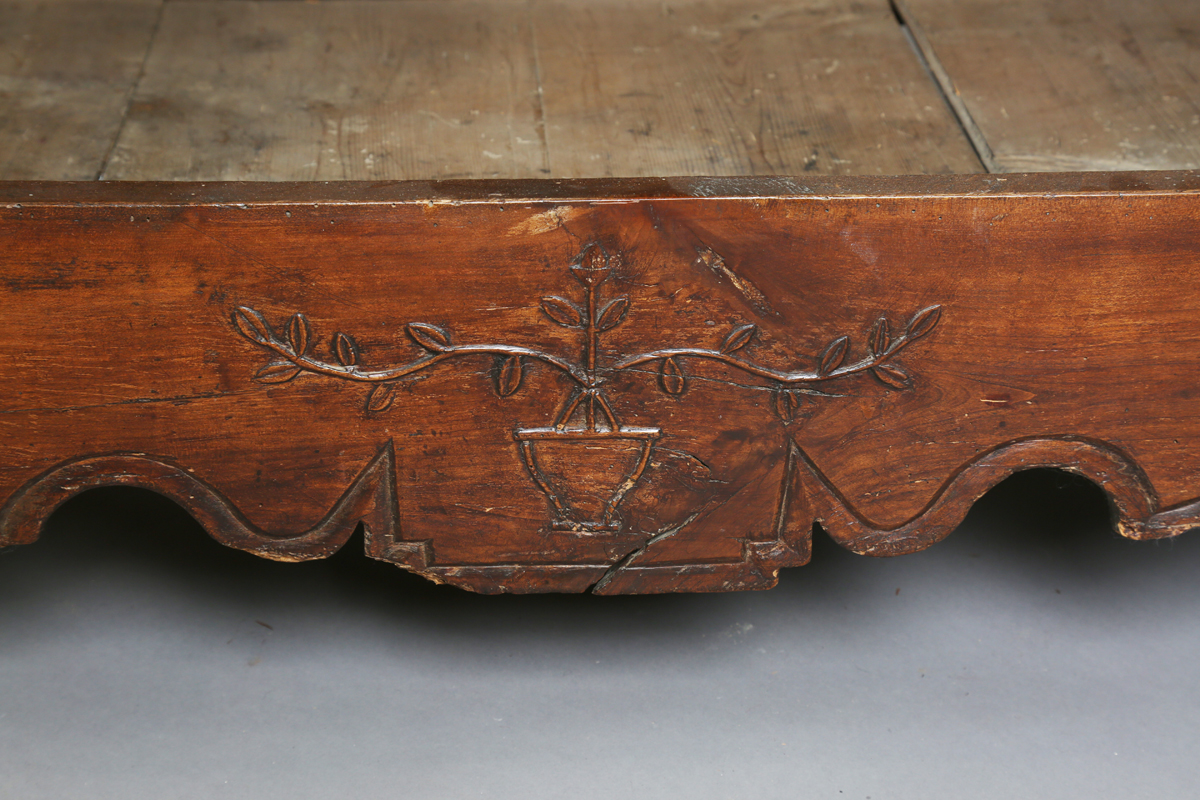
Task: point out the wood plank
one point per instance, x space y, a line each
1072 84
713 87
248 90
67 68
241 90
529 386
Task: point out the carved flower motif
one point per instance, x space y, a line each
593 266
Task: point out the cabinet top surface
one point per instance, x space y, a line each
382 90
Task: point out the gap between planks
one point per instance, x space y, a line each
924 51
129 95
1070 85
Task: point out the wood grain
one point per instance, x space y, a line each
700 87
67 69
1071 85
622 386
241 90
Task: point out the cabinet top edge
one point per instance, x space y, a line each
594 190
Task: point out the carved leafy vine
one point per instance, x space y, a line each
293 353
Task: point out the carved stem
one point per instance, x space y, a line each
766 372
607 409
590 347
594 398
572 404
355 373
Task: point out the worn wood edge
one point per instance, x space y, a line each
20 194
809 498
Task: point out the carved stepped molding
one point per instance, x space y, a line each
807 496
622 388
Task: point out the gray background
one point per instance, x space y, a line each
1032 654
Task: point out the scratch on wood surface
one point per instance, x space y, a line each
712 259
546 221
178 399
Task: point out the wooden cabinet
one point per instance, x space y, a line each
597 294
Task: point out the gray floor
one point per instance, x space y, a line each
1033 654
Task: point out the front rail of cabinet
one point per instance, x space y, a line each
629 386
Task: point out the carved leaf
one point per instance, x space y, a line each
613 314
380 398
671 377
299 333
277 372
893 375
345 349
431 337
252 324
508 375
738 338
923 321
834 355
563 311
787 403
881 336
